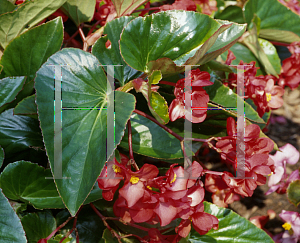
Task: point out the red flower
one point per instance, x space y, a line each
110 177
135 183
187 5
199 98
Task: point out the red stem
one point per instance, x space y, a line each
93 27
58 228
167 83
279 43
162 126
72 37
130 140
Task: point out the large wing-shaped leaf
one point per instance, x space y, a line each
84 120
274 17
80 11
126 7
10 225
232 228
19 133
9 88
27 182
26 53
175 35
26 16
112 56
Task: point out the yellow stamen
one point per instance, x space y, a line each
134 179
270 174
174 179
269 97
116 168
287 226
149 187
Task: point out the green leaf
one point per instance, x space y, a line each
27 107
231 13
10 225
19 133
26 53
79 11
107 237
126 7
1 156
232 228
27 182
94 195
175 35
112 56
264 51
26 16
159 107
6 6
155 77
279 35
9 88
89 226
84 121
38 225
293 192
241 52
151 140
224 41
226 98
273 15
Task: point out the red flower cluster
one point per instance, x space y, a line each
206 6
261 89
199 97
294 5
104 12
290 72
144 197
258 164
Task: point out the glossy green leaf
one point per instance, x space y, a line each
27 107
19 133
10 225
231 13
27 182
241 52
151 140
271 53
6 6
1 156
38 225
279 35
175 35
84 121
273 15
9 88
126 7
226 98
26 16
155 77
264 51
112 56
232 228
26 53
223 41
293 192
79 11
159 108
